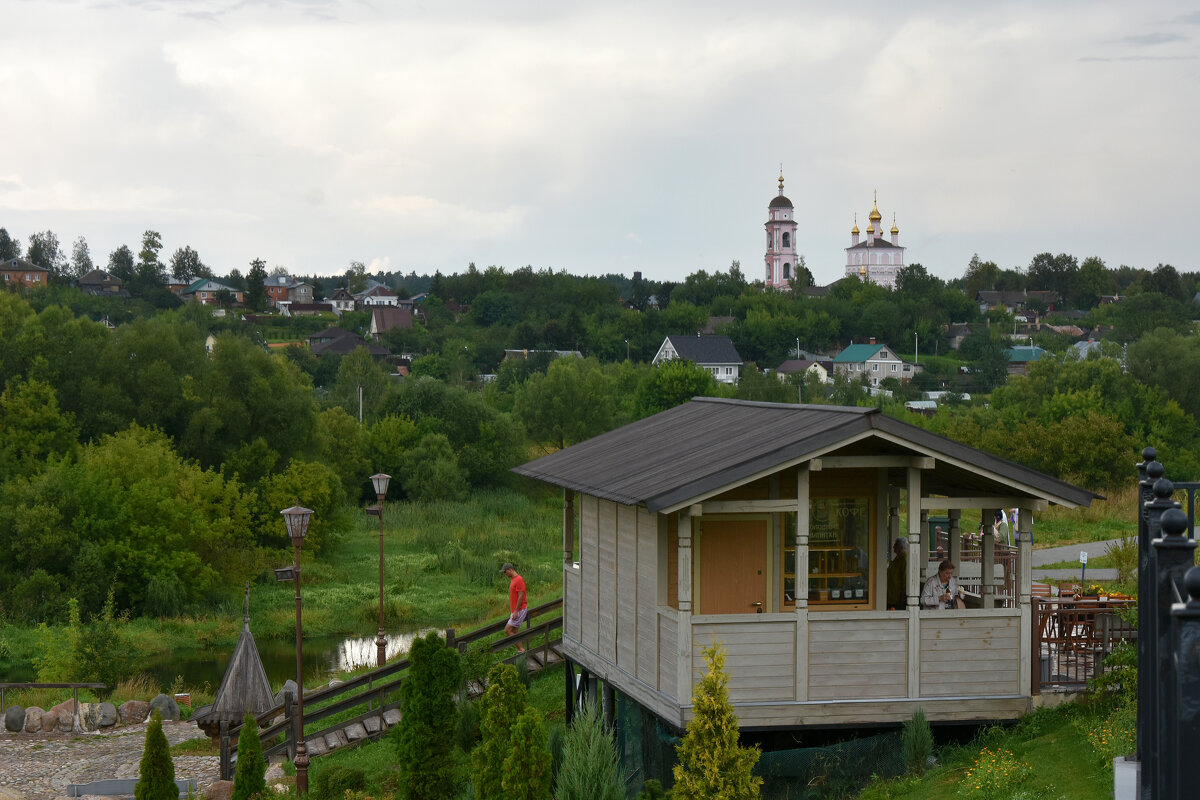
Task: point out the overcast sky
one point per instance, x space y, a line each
601 137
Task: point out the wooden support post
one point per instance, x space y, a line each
608 701
683 674
955 535
987 565
918 552
802 523
1029 659
226 752
569 673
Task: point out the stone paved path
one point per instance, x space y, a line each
41 766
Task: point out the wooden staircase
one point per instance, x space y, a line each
375 694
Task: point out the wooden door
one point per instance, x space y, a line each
733 566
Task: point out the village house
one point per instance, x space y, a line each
712 352
876 361
19 272
766 528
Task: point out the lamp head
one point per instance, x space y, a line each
296 518
380 481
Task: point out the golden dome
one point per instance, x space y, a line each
895 230
854 230
862 270
875 215
870 227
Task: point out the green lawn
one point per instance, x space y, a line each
1050 742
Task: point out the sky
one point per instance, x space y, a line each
601 137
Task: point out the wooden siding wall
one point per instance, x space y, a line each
647 597
572 603
970 653
668 664
589 558
760 656
606 578
857 658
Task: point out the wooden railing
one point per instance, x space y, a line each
376 691
1071 639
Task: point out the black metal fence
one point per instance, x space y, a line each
1169 636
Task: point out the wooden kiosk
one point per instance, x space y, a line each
767 527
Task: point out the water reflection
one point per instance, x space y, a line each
354 654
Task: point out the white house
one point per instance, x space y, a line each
710 351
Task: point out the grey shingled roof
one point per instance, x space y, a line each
693 450
706 349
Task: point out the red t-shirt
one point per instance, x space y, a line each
516 589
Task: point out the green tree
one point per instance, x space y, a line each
711 762
1169 360
980 275
590 769
81 258
672 383
425 736
186 265
527 768
501 705
574 400
32 428
45 251
156 771
10 248
983 349
256 290
120 263
249 778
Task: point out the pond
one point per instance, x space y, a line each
322 654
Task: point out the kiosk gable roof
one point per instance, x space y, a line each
693 450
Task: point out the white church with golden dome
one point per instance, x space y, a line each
875 259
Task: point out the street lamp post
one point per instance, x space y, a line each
380 481
296 518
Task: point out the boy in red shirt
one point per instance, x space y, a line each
517 604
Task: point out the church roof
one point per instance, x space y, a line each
244 688
874 243
780 202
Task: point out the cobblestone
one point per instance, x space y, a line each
42 766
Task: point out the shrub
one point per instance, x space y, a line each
504 701
425 735
917 742
711 762
589 764
528 768
334 781
156 771
250 777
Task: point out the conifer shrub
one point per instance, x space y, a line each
916 742
334 781
249 778
589 765
466 725
711 761
529 768
652 790
156 771
425 737
504 701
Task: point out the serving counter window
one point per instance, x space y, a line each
839 553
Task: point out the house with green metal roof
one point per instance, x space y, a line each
875 361
1021 356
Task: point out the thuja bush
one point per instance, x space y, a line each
504 701
156 771
425 736
917 742
528 768
249 779
333 782
589 764
711 761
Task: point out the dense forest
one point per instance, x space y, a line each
131 457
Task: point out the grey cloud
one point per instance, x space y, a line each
1150 39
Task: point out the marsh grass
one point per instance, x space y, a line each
1113 517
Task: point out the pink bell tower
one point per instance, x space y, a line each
781 241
